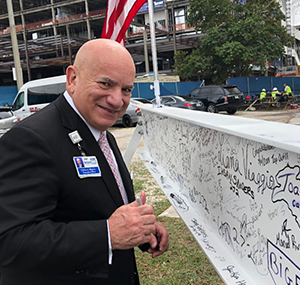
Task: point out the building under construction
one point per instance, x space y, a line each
49 33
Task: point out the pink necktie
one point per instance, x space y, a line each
103 143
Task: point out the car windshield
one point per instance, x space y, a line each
5 114
141 100
232 90
179 98
45 94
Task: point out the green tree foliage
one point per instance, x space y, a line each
236 35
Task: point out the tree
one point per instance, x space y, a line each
237 35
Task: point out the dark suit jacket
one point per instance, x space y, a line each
53 225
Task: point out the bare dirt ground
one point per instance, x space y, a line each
143 180
123 136
288 116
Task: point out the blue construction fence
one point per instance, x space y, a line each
7 95
253 85
145 90
249 85
141 90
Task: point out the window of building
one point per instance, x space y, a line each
179 15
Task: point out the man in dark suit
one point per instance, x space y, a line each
61 224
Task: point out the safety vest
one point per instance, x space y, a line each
263 95
274 94
288 90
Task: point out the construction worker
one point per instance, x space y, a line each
287 90
275 93
263 94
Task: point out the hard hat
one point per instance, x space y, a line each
264 90
275 89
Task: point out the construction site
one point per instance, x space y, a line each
49 33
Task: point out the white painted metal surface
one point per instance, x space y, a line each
133 144
235 183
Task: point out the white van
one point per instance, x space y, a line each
36 94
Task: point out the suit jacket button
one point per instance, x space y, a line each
87 272
77 271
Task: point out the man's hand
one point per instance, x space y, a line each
160 240
132 225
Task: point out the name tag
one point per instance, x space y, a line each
87 166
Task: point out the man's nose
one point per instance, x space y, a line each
116 98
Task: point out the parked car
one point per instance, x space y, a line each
140 101
219 98
7 119
130 118
181 101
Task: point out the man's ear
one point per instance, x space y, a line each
71 75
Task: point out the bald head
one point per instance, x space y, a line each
101 81
103 52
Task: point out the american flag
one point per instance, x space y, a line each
119 14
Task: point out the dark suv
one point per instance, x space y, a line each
219 97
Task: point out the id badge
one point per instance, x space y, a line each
87 166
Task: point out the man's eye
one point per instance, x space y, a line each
127 90
105 84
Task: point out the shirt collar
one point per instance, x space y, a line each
95 132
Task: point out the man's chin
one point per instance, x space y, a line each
104 125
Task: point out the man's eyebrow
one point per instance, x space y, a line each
129 86
107 79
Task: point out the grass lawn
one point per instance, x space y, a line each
184 263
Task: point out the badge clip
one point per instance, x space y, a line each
76 139
81 150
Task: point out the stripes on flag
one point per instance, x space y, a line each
119 14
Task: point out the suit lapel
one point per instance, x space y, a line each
73 122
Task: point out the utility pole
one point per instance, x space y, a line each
88 25
174 28
146 51
288 20
25 41
14 42
154 53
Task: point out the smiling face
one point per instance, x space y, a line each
101 81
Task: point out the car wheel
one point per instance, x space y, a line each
211 108
201 105
126 121
231 111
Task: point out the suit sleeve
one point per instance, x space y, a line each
29 191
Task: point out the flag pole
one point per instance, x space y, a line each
154 55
